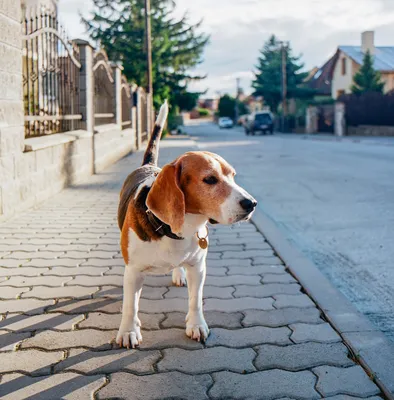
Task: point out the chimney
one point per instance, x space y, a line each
367 42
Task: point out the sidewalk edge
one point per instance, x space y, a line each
370 347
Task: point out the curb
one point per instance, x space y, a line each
371 348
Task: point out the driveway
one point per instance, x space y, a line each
334 200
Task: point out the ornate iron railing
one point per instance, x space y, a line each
51 73
104 90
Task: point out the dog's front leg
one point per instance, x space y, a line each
196 327
129 333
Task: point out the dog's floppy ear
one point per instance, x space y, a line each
166 199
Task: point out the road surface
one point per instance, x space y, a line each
333 200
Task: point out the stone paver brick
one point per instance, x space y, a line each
24 255
289 300
116 292
267 385
92 254
352 381
233 280
214 256
8 293
228 247
112 321
51 340
222 271
29 323
302 356
248 336
158 280
207 360
106 305
275 278
114 270
241 304
21 271
21 281
209 292
12 263
281 317
316 333
267 261
67 386
32 362
26 306
82 280
257 270
69 247
214 319
8 248
164 305
57 262
228 263
170 385
267 290
106 362
101 262
10 340
247 254
258 244
345 397
44 292
74 271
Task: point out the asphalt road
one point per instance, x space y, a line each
334 200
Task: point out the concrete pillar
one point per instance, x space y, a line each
138 130
86 84
311 120
11 103
340 123
117 70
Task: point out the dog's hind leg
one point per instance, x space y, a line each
129 334
179 276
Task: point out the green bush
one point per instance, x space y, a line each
203 112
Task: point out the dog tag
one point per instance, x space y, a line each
202 242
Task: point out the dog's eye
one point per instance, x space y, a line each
211 180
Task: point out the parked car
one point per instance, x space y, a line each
225 122
260 122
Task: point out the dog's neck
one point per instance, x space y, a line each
194 223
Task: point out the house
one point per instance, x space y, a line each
210 104
320 79
30 7
350 58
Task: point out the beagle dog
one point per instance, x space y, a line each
163 216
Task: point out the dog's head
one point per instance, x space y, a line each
199 183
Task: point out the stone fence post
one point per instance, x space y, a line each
311 120
86 84
340 123
117 69
138 128
11 104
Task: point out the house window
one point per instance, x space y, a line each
343 66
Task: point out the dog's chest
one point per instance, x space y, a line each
163 255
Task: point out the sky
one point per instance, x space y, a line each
239 28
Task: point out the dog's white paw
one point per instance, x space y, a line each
197 328
129 339
179 277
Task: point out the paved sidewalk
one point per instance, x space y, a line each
60 299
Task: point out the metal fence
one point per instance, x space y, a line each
104 90
51 71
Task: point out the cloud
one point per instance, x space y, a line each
238 29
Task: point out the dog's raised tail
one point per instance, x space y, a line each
152 151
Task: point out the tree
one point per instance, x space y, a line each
367 79
268 77
227 106
177 46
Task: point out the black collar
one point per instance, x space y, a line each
160 227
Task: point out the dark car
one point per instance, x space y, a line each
259 122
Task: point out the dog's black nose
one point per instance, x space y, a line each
248 204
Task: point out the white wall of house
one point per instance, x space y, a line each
344 71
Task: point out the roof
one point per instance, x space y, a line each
383 57
321 79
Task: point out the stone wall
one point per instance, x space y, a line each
368 130
35 169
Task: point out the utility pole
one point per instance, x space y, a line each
149 88
284 47
236 101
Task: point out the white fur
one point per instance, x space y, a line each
163 113
148 182
160 257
